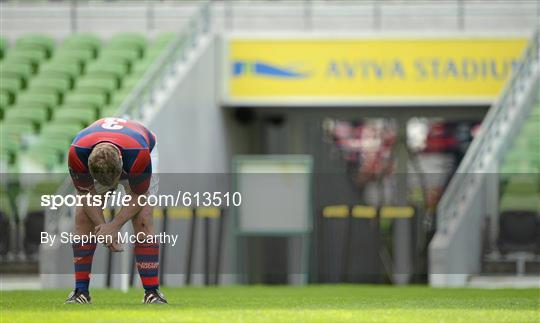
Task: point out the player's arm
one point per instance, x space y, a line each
126 213
139 182
94 212
83 182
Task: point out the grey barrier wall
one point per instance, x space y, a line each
192 121
61 18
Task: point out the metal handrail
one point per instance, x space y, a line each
472 162
143 92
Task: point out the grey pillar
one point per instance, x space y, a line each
402 240
491 188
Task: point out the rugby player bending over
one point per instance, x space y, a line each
109 152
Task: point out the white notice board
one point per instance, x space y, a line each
276 193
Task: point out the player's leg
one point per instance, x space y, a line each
147 256
82 258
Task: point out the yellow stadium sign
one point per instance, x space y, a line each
420 69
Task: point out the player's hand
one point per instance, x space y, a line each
115 247
109 229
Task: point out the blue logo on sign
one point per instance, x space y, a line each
266 70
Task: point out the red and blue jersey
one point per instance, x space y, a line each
134 141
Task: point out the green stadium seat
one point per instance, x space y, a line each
34 105
104 76
58 84
108 80
519 203
82 41
60 58
11 86
109 111
47 90
119 55
94 85
49 93
81 105
36 41
95 99
48 158
18 81
5 94
132 41
106 68
59 145
81 54
83 117
12 146
56 70
127 46
3 47
520 185
36 116
49 100
23 71
53 75
72 70
4 99
16 129
60 130
130 83
34 57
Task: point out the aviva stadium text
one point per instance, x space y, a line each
457 68
422 69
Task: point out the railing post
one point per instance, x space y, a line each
308 14
193 32
377 15
461 14
73 16
206 13
150 21
228 15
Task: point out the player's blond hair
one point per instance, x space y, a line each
105 164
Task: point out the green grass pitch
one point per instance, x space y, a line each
318 303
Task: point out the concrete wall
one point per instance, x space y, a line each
192 121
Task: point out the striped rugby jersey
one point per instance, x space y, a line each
134 141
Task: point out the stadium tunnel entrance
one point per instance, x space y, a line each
364 157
